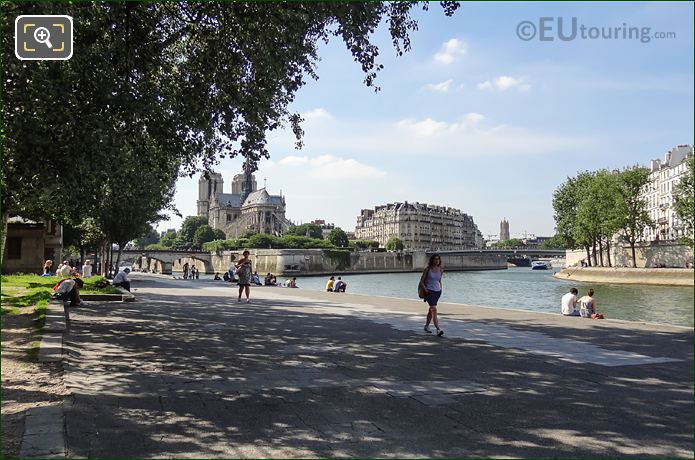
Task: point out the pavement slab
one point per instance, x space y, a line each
186 372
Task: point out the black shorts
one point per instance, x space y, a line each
432 297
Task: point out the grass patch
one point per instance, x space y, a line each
40 314
30 290
33 350
10 310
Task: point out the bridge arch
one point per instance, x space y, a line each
203 265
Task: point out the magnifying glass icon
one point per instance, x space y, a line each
42 35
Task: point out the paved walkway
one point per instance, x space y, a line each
186 371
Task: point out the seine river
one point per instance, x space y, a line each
534 290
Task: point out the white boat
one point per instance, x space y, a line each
541 265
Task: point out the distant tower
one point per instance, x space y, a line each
504 230
209 186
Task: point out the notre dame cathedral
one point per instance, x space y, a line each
245 210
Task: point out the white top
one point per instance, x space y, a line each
86 271
120 277
569 303
66 286
64 270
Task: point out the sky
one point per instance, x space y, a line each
477 118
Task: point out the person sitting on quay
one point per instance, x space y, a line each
69 289
217 277
269 280
256 279
329 284
340 285
47 267
569 303
588 308
291 283
121 279
226 276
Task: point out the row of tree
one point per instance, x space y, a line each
157 89
591 208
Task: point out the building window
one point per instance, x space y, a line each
14 247
229 217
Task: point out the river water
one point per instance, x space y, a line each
526 289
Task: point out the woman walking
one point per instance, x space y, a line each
244 273
431 284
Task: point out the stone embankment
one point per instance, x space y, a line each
658 276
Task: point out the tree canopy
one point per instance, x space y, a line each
338 238
394 244
685 203
154 89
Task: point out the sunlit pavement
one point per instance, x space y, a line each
187 371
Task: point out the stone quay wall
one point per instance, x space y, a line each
648 255
657 276
299 262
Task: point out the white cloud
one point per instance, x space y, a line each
442 87
293 160
424 128
474 117
485 85
504 83
329 167
450 50
317 114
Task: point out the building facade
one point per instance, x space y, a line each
420 226
504 230
659 194
30 244
245 210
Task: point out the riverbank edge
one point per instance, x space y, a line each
320 293
655 276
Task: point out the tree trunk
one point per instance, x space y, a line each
593 252
588 255
600 251
5 219
634 257
608 252
118 257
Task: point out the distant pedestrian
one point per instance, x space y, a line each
329 284
244 272
185 271
197 274
431 284
47 268
569 303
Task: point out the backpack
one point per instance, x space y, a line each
421 284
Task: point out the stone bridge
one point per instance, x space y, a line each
521 257
167 261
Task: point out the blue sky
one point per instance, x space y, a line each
478 119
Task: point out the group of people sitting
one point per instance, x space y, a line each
334 285
67 269
587 305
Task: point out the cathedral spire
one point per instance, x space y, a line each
247 186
